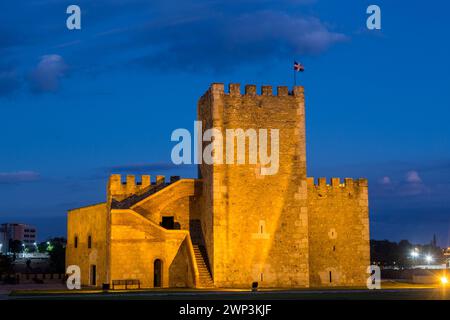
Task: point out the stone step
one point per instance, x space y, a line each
205 279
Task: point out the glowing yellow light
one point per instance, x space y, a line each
444 280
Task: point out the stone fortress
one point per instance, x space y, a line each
232 226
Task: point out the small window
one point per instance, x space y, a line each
262 224
168 222
93 275
89 242
331 279
75 242
334 248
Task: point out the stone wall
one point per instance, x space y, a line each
338 232
179 200
82 223
204 114
120 190
137 242
260 221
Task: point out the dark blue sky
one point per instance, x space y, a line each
77 105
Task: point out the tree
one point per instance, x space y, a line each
15 246
56 248
42 247
5 264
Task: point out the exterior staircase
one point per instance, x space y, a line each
203 267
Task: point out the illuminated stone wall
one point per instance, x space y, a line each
137 242
179 200
260 225
82 223
338 232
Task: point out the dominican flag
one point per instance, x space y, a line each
298 67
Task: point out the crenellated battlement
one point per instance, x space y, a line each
348 183
234 89
121 188
340 191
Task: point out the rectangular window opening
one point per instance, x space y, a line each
168 222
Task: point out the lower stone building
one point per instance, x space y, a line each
235 224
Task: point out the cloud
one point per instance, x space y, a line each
226 40
411 185
413 177
162 168
164 35
48 73
385 180
18 177
142 168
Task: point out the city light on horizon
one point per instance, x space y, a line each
414 253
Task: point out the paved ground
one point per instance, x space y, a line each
390 291
5 290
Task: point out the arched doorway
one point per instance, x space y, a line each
157 273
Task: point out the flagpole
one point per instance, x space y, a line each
295 78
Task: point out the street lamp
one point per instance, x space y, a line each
429 259
414 254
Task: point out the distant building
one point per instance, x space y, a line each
16 231
2 241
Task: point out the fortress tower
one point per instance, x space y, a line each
237 223
256 225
